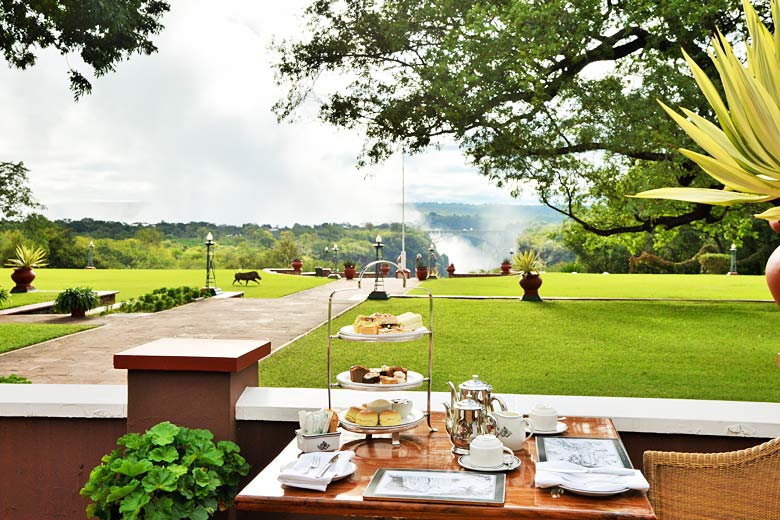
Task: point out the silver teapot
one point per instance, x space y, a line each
478 391
466 419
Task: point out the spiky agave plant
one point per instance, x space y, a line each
27 258
744 152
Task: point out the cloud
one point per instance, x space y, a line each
188 134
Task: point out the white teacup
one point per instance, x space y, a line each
402 406
486 451
544 418
512 429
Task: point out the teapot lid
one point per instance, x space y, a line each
468 404
475 384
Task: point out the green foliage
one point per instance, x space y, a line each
14 380
27 257
528 262
4 296
715 263
569 267
15 195
162 298
76 299
101 34
168 472
556 94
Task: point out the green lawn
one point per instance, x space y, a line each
723 351
18 335
685 286
19 299
134 282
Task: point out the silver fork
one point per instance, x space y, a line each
314 464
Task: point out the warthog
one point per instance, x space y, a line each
250 276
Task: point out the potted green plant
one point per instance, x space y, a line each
77 301
506 266
3 296
529 263
349 270
421 270
23 263
167 472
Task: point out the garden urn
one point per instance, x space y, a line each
385 270
451 270
422 273
23 277
349 272
772 267
530 283
296 265
506 267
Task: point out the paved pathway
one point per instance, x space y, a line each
87 357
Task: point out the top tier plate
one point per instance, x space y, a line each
348 333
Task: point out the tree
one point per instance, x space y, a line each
14 192
558 95
102 33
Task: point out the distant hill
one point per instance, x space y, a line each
487 217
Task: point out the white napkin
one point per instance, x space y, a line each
546 476
301 475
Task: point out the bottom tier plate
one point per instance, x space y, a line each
411 421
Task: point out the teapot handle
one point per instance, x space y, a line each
501 404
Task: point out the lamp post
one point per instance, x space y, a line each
335 273
90 255
379 283
211 277
431 262
733 268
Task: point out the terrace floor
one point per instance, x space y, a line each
87 357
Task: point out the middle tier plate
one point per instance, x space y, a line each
407 423
413 380
348 333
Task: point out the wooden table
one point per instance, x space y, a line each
421 449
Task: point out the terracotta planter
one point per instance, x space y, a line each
422 274
296 265
349 272
505 268
23 277
451 269
385 270
773 267
78 313
530 284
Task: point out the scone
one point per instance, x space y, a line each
351 414
367 418
389 418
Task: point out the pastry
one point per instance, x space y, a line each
379 405
399 376
356 373
371 378
389 418
351 414
391 370
388 380
410 321
367 418
334 420
366 328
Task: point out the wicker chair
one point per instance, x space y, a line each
735 485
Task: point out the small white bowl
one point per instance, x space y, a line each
320 442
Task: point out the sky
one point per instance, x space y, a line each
187 134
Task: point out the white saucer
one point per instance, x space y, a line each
510 462
559 428
349 470
595 488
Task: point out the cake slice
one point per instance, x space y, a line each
410 321
357 372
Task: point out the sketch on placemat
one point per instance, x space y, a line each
436 486
586 452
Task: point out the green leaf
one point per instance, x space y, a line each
770 214
701 195
163 434
212 456
118 492
132 504
177 469
160 479
164 453
131 466
160 509
201 477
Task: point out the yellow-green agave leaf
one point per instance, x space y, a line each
702 196
770 214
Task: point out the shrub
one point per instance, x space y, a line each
76 300
14 379
168 472
570 267
715 263
3 296
162 299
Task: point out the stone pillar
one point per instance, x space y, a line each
189 382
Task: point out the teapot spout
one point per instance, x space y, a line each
453 393
448 419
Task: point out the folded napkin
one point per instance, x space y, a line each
300 474
547 476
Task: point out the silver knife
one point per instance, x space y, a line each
327 466
602 471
